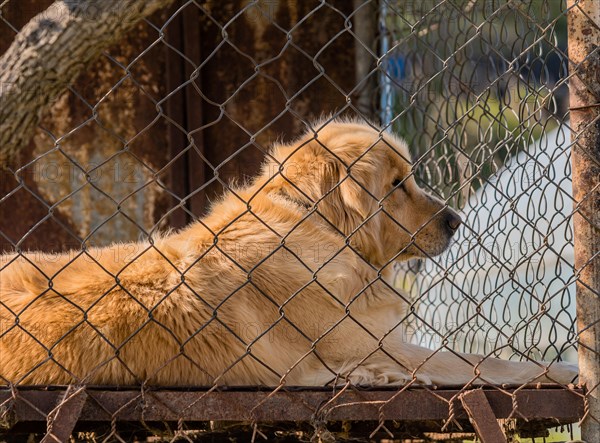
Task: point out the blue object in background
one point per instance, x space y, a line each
392 69
396 66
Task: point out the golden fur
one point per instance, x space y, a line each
279 283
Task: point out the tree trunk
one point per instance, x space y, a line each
49 54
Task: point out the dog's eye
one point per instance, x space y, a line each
397 183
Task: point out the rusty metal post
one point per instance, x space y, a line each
482 416
584 56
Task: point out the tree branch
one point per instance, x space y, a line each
49 54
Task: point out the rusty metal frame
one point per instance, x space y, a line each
31 406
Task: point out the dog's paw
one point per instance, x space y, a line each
563 372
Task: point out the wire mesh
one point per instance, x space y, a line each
98 291
485 83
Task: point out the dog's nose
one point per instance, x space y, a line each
453 220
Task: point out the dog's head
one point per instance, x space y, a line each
361 182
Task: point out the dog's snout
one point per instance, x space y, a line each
453 220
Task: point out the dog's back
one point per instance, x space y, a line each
61 314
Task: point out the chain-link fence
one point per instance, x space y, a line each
214 229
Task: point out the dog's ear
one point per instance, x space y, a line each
339 177
359 187
305 172
344 184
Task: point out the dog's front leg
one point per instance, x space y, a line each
450 368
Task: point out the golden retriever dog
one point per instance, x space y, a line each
281 283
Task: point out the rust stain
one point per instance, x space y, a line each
97 177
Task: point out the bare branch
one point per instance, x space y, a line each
49 54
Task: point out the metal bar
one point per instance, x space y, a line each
194 109
584 56
566 406
175 111
482 416
63 418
